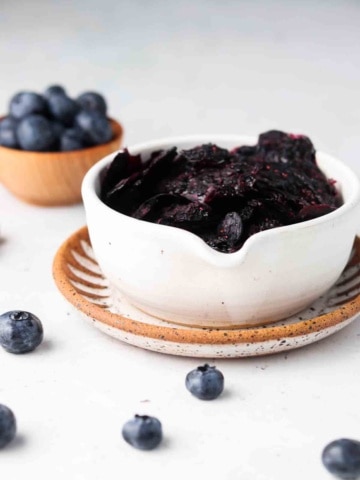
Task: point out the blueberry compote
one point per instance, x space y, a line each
223 196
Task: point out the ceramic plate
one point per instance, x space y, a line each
80 280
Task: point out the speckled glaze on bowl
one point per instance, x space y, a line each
52 178
172 274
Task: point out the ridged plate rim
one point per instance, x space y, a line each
140 333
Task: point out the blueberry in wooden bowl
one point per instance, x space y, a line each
49 141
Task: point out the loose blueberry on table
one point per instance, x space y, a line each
20 332
342 458
143 432
223 196
7 426
55 122
205 382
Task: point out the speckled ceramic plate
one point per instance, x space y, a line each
80 280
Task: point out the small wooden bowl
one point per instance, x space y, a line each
52 178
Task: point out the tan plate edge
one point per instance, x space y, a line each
61 274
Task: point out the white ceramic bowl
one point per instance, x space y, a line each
174 275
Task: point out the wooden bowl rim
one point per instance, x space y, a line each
184 334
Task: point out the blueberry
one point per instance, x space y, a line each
63 109
58 128
143 432
230 229
7 426
36 133
8 137
20 332
205 382
342 458
54 90
92 101
96 127
27 103
71 139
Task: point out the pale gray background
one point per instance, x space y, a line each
174 67
170 68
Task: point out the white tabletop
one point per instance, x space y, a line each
171 68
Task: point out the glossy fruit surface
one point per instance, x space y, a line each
92 101
71 139
54 90
205 382
342 458
20 332
7 425
223 196
36 133
36 121
8 132
26 103
143 432
95 126
63 109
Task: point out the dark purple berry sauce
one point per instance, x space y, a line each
223 196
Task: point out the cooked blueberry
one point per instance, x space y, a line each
54 90
245 150
191 216
71 139
125 193
207 155
8 137
96 127
26 103
122 165
272 139
7 426
312 211
92 101
63 109
342 458
230 195
36 133
158 166
281 147
230 229
143 432
20 332
150 210
205 382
